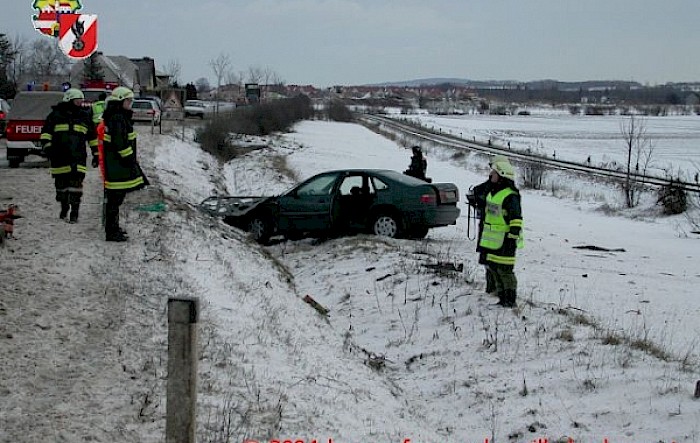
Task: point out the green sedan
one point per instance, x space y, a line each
381 202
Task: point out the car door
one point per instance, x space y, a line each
355 196
307 207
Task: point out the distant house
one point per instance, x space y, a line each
146 69
138 74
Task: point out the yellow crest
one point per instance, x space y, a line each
46 18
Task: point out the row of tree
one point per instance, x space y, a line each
22 59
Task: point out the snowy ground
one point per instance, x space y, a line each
604 344
675 139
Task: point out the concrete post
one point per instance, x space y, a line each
181 422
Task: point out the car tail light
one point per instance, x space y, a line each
2 115
151 112
449 196
428 199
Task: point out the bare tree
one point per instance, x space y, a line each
255 74
46 60
233 78
173 68
639 149
19 64
220 65
272 80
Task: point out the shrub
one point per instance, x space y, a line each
214 138
673 199
533 174
337 111
263 119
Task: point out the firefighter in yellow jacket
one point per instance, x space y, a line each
502 233
65 137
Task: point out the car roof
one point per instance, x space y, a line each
383 173
34 105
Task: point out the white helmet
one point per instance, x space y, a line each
73 94
504 169
121 93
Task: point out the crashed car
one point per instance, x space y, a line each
381 202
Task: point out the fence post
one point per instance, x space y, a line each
181 422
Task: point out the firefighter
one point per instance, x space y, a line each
98 108
477 199
502 232
67 132
418 164
122 173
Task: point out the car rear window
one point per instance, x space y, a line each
142 105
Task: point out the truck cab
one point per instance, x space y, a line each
25 122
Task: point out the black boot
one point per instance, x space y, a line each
74 200
115 237
74 210
508 300
62 198
112 230
65 207
490 283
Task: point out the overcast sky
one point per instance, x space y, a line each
352 42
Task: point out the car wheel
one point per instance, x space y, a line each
260 228
386 225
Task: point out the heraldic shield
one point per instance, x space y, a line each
47 12
78 35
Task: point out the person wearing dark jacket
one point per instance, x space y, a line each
67 132
502 231
418 164
122 173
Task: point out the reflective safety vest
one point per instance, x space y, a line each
496 228
98 108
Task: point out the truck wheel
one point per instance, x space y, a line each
260 228
14 162
387 224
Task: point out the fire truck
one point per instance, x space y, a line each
25 121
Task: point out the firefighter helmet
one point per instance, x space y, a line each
121 93
498 158
504 169
73 94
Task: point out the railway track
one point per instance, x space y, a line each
459 143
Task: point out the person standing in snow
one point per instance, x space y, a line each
122 173
477 199
502 232
67 132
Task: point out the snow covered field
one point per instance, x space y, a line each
676 139
603 345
